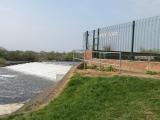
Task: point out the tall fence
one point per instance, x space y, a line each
139 36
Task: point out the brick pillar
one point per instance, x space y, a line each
88 55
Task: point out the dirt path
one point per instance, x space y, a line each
96 73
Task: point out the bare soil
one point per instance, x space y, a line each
97 73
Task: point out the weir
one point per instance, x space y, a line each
20 83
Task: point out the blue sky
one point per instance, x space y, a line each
59 24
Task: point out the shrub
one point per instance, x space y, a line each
152 72
92 66
68 56
108 68
82 66
2 61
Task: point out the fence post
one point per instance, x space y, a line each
132 46
86 40
100 61
93 48
98 40
120 62
84 60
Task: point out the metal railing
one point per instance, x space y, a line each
99 58
118 60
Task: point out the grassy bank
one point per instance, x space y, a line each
97 98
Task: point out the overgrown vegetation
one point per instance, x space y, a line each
34 56
108 68
2 61
150 51
100 98
152 72
91 66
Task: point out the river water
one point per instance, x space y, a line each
20 83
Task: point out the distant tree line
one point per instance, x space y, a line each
32 56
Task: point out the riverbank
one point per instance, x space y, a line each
9 63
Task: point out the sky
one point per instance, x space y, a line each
58 25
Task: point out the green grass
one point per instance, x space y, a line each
98 98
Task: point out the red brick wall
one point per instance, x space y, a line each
135 66
88 55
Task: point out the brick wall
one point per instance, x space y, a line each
135 66
88 55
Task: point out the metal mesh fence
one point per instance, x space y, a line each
115 38
140 36
147 35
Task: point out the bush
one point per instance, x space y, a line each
68 56
2 61
108 68
152 72
35 56
92 66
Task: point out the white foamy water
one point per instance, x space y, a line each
42 69
7 76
